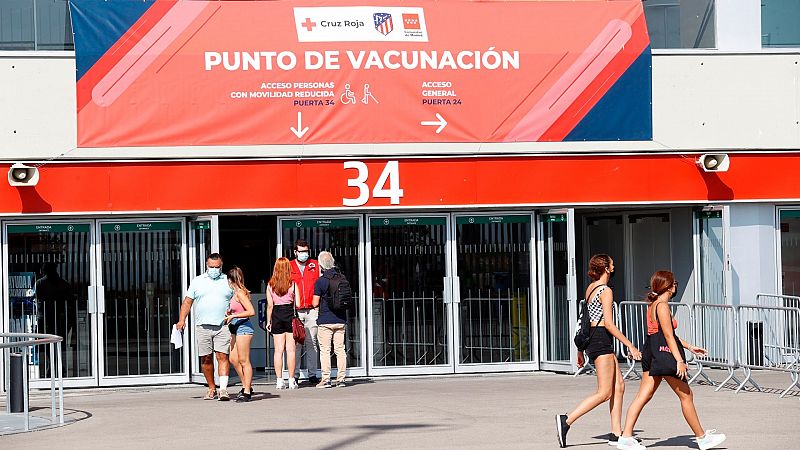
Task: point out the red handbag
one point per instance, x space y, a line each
298 330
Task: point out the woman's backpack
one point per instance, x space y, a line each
584 331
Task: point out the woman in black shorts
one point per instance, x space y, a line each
659 319
610 385
282 296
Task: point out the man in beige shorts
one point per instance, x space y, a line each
210 295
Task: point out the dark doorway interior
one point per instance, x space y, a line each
249 242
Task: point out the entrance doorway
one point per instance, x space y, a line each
639 242
111 289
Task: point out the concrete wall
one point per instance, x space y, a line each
701 101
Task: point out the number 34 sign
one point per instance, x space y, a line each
389 176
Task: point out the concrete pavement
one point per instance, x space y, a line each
472 412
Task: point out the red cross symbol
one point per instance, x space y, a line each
308 24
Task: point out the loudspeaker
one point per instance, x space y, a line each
21 175
714 162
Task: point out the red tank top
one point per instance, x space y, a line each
652 326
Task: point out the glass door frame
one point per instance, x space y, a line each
570 366
189 340
90 381
456 297
359 371
448 368
130 380
727 284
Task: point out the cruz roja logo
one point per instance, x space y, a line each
309 25
383 23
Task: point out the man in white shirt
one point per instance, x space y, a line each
210 294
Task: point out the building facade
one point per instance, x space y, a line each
466 257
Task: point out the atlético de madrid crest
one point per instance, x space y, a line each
383 23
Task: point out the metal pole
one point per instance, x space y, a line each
52 386
60 385
25 387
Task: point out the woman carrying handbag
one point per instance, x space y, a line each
664 359
282 298
600 349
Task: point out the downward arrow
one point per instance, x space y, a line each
441 122
300 131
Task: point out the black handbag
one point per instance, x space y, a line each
585 330
662 362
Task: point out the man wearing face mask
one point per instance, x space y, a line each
210 294
305 272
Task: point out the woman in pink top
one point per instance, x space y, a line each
659 319
238 320
282 297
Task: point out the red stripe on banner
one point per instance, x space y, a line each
114 54
601 85
504 182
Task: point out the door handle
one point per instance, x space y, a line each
91 301
456 289
448 291
101 299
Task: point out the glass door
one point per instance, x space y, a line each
493 318
142 271
711 256
341 236
49 289
557 290
409 312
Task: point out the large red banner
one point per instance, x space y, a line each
166 72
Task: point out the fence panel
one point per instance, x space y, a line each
768 338
714 330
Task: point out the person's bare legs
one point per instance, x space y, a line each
604 366
291 354
223 365
234 358
615 403
684 393
207 367
244 368
280 344
647 388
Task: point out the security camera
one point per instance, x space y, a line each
714 162
21 175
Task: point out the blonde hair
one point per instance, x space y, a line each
236 278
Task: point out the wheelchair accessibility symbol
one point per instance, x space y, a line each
299 224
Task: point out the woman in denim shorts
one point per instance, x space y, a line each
238 320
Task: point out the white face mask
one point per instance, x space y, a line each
214 272
302 256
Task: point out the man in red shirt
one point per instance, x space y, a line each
305 272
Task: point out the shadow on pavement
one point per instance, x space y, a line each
364 432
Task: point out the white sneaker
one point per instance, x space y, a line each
279 384
710 440
292 383
629 443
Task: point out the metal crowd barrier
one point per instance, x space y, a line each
714 330
786 301
24 342
768 338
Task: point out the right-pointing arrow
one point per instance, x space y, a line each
441 122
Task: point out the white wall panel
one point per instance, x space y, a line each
753 247
701 101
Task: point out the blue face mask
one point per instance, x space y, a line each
214 272
302 256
